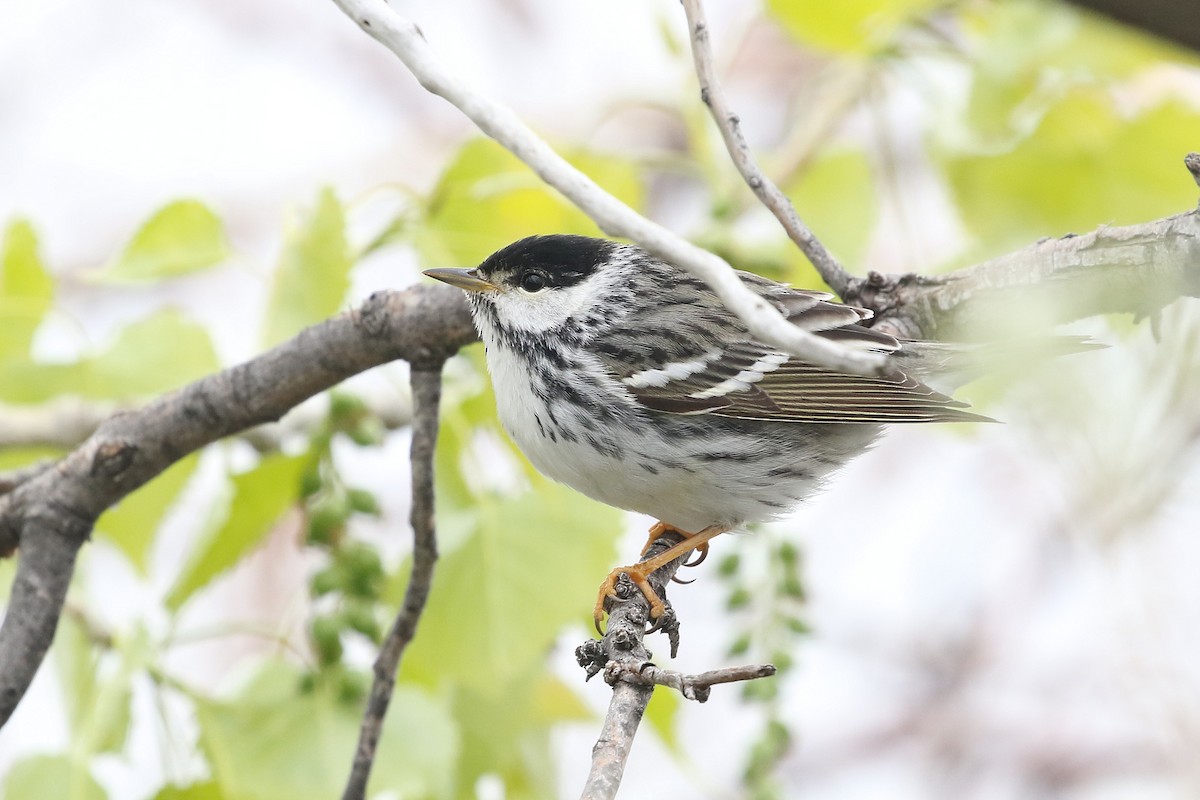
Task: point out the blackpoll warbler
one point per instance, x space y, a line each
628 380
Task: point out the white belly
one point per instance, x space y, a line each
681 480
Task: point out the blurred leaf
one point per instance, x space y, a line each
836 197
98 695
161 352
662 714
554 701
847 26
260 497
1083 166
182 237
8 570
206 790
132 523
24 456
469 405
487 198
504 734
314 273
57 777
26 289
532 565
1027 53
273 742
76 661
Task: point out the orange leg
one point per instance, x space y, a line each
659 529
640 573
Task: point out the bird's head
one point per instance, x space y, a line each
546 283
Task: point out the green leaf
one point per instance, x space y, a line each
1025 54
161 352
76 661
505 733
206 790
488 198
1083 166
554 701
260 497
98 699
8 571
847 26
276 743
314 273
19 457
532 565
26 289
59 777
182 237
132 523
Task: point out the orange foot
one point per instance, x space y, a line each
640 572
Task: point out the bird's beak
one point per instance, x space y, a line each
467 279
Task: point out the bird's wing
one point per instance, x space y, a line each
700 360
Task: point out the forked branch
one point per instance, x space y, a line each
51 510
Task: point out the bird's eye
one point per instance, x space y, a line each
533 282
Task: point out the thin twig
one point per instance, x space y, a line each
731 131
426 389
693 687
404 38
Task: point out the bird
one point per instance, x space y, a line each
629 380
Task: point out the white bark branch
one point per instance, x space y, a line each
404 38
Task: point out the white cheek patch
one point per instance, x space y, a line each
542 311
743 380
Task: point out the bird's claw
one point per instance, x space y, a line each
608 588
702 553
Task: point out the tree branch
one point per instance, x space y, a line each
623 643
11 479
731 131
622 657
402 37
51 514
426 386
1135 269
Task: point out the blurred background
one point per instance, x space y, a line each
1001 611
